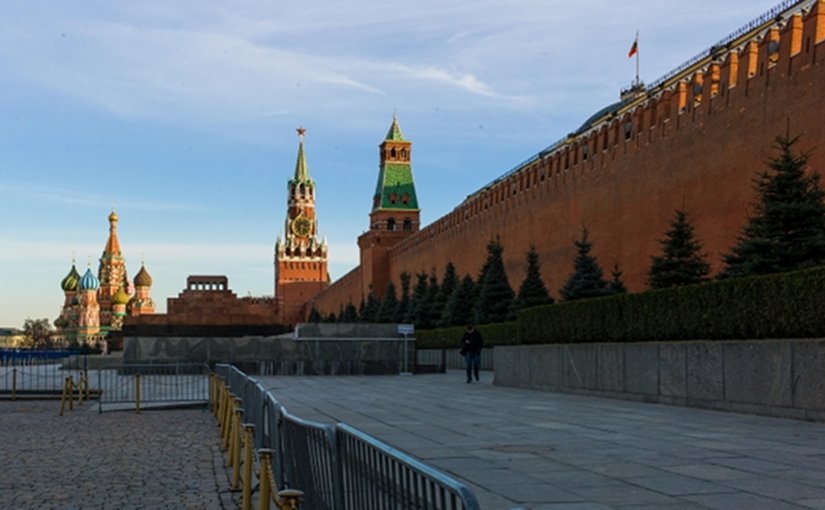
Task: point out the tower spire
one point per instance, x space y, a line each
301 169
394 133
112 244
395 188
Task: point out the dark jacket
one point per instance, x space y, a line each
471 341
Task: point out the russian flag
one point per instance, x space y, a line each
635 48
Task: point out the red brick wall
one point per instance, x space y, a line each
702 159
346 289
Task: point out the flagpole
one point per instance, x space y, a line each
637 58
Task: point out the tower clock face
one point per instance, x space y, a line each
301 226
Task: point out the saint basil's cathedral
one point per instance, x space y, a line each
97 304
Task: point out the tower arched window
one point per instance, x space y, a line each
391 224
404 154
405 198
393 197
392 153
407 224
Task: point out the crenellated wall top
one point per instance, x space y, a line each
764 31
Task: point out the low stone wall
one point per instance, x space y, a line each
784 378
443 359
278 354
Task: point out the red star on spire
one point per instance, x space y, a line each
301 131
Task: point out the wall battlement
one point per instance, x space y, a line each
694 140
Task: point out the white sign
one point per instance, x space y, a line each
406 329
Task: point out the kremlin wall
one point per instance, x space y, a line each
695 140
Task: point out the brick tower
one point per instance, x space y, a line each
395 213
300 257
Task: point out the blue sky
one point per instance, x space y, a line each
182 116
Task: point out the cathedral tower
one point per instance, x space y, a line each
141 303
88 321
395 213
300 257
66 323
111 273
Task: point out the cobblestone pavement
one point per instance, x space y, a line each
115 460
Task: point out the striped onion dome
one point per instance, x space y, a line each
69 283
89 281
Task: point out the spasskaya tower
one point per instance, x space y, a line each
300 257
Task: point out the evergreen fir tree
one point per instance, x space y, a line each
616 285
681 262
404 303
370 308
340 314
429 313
386 312
532 292
587 280
418 302
448 285
350 314
331 317
460 306
495 296
787 231
314 316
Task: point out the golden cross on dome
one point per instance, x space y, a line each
301 131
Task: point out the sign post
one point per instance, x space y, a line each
406 330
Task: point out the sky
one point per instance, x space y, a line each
181 116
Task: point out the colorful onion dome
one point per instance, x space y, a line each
89 281
69 283
142 279
121 297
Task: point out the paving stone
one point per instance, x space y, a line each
518 448
86 460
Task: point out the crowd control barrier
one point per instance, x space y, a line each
170 384
319 466
35 374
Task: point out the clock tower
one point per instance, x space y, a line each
300 257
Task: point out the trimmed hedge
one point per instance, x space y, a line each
787 305
503 333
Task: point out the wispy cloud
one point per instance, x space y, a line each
45 193
465 81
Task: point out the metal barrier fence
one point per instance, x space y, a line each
377 476
335 467
35 373
140 384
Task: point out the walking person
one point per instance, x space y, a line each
471 344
